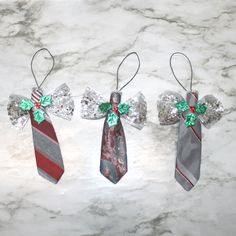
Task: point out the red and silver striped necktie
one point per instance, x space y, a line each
47 150
60 103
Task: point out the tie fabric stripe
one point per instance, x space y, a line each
47 146
46 128
47 150
182 174
52 169
188 159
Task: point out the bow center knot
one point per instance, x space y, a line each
37 105
193 109
115 109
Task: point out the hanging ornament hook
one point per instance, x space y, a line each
118 68
31 66
191 68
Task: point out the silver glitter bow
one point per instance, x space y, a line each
169 114
137 108
62 105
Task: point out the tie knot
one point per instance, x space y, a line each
115 98
192 98
36 94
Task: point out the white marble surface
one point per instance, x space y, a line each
88 40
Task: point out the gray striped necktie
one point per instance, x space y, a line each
188 159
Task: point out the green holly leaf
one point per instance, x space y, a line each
200 108
123 108
112 119
104 107
26 105
190 120
39 116
46 100
182 106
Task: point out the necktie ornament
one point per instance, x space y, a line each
113 162
191 114
20 109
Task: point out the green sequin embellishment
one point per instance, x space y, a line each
46 100
123 108
26 105
190 120
39 116
112 119
191 117
182 106
200 108
104 107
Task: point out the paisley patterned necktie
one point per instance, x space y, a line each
113 163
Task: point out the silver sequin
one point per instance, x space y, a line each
90 105
137 111
62 103
90 108
214 110
168 113
18 117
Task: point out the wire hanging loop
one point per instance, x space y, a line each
118 68
191 68
31 66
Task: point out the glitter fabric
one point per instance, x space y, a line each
136 107
137 111
213 112
170 105
168 113
62 103
18 117
90 105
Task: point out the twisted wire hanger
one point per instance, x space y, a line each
118 68
31 66
171 67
